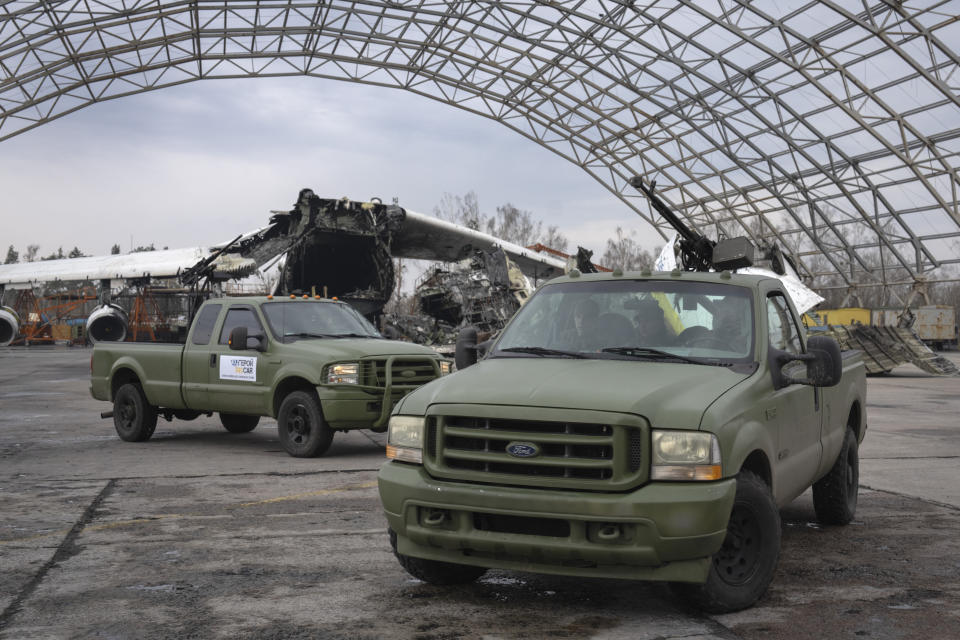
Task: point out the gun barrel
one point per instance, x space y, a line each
685 232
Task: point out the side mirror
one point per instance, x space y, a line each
466 353
824 364
238 339
241 341
827 367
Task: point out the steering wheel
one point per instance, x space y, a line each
690 334
698 336
710 342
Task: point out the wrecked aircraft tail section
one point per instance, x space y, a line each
887 347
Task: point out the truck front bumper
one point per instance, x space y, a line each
368 406
348 407
662 531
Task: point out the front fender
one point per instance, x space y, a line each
741 440
310 373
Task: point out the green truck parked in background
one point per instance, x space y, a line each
314 364
643 426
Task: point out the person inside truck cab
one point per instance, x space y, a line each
730 324
584 335
651 326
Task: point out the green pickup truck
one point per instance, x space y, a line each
646 426
315 364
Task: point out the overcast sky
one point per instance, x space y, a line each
203 162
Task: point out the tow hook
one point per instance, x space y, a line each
609 532
435 517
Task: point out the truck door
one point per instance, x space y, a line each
239 380
196 365
797 406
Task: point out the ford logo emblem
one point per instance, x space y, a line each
523 449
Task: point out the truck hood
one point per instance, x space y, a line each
666 394
333 349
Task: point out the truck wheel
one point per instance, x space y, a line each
835 494
303 431
238 423
433 571
133 417
742 569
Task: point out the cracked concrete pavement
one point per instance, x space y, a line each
199 533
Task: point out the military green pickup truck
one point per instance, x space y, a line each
644 426
315 364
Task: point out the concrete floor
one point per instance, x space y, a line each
202 534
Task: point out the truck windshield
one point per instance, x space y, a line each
643 319
291 321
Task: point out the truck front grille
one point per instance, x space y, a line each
405 371
567 454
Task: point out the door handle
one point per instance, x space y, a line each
213 359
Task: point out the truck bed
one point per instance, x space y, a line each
157 366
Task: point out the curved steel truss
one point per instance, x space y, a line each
833 131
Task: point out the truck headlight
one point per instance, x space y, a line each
685 455
405 438
344 373
445 367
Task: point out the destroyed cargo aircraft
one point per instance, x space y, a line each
482 291
332 247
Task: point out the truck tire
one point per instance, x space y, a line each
835 494
238 423
133 417
433 571
303 431
742 569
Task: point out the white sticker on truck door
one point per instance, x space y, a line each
234 368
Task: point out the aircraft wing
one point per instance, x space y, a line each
428 238
166 263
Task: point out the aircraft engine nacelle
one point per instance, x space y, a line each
9 325
107 323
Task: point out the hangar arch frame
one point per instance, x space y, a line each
834 132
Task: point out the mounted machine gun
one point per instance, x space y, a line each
697 252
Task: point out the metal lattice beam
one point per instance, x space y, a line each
834 131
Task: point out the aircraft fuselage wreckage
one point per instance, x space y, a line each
332 247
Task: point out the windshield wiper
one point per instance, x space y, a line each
309 335
543 351
328 335
647 352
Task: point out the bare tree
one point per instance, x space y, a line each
31 254
625 252
554 239
465 210
56 255
509 223
514 225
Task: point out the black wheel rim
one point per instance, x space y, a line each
737 560
298 425
126 413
